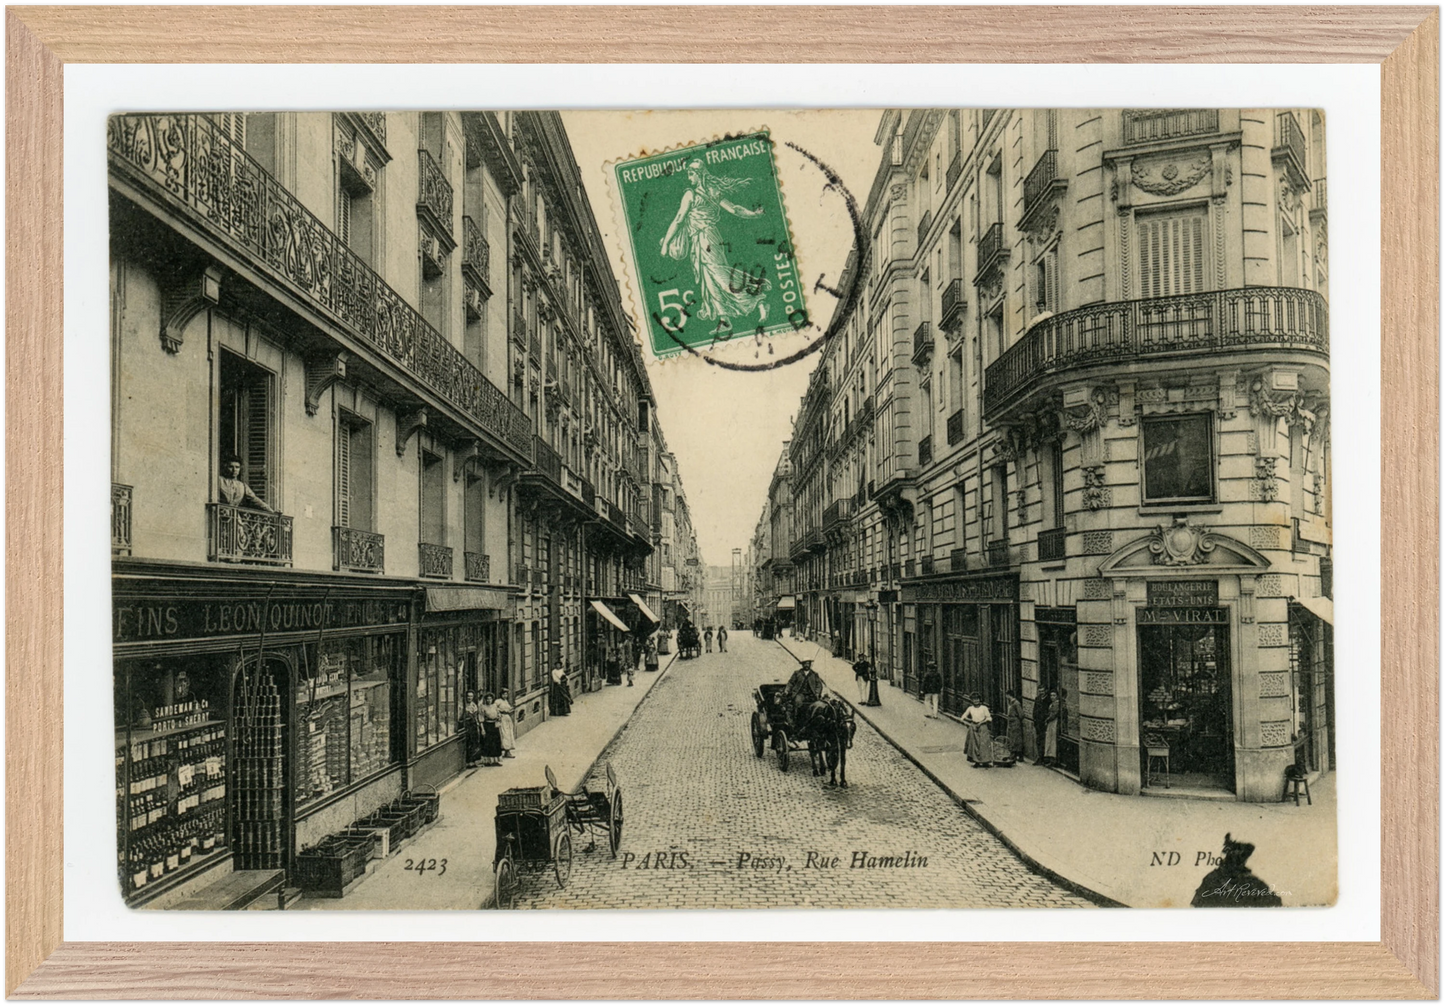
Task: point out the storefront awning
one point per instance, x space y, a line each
1322 608
466 599
607 613
642 607
786 603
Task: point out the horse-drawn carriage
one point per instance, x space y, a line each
803 716
535 825
689 643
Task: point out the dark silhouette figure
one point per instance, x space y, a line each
1232 885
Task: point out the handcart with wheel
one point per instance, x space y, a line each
595 811
532 834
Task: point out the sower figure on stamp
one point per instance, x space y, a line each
694 234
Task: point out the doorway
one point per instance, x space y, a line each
258 789
1185 701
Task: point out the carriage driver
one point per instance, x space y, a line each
804 687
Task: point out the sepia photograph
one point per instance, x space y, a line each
726 509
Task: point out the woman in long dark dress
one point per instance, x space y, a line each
491 732
559 698
471 727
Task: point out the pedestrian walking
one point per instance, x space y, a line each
1041 722
722 638
650 659
861 671
1015 713
614 665
508 724
633 656
1051 728
978 746
873 699
707 639
491 732
932 685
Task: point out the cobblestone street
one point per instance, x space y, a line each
709 825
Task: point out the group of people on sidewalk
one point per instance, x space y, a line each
488 729
980 747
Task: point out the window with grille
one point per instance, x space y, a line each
1046 281
1173 252
246 423
354 466
1051 477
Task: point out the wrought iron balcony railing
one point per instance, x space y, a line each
239 534
120 503
925 451
998 552
358 551
923 224
957 560
1052 545
1289 147
955 169
991 251
434 560
955 428
954 305
926 565
1146 125
476 255
1201 324
434 194
189 160
837 511
922 343
546 460
1042 185
477 566
1319 197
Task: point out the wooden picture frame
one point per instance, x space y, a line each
40 41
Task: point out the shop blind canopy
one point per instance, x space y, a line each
1321 607
606 613
785 603
642 607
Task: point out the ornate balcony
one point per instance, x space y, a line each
954 305
923 225
616 516
992 252
120 501
1190 325
1041 187
957 560
955 428
1319 200
434 560
434 197
477 566
238 534
1149 125
187 160
1052 545
814 542
546 460
925 451
837 512
358 551
955 169
476 256
1290 150
922 344
926 565
375 123
998 553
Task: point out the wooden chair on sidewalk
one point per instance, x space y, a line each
1156 748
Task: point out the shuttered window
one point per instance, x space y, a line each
433 521
246 400
353 473
1173 252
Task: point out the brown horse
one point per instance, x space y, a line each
828 727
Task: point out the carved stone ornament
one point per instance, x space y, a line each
990 287
1289 196
534 385
1087 417
1263 402
1265 479
897 192
1171 177
183 300
1181 544
1096 493
1043 225
519 371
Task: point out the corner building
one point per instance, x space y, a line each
1077 435
402 330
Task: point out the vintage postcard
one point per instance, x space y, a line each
907 508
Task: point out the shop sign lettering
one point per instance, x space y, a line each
998 588
142 621
1183 616
1183 593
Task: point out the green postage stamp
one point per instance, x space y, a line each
710 242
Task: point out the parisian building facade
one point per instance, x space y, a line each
1075 437
382 436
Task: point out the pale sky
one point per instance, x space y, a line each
727 428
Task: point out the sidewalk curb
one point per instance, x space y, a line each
489 902
1102 900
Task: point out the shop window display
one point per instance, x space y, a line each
442 669
343 703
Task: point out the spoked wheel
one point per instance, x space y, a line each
614 824
757 736
780 738
562 859
506 883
